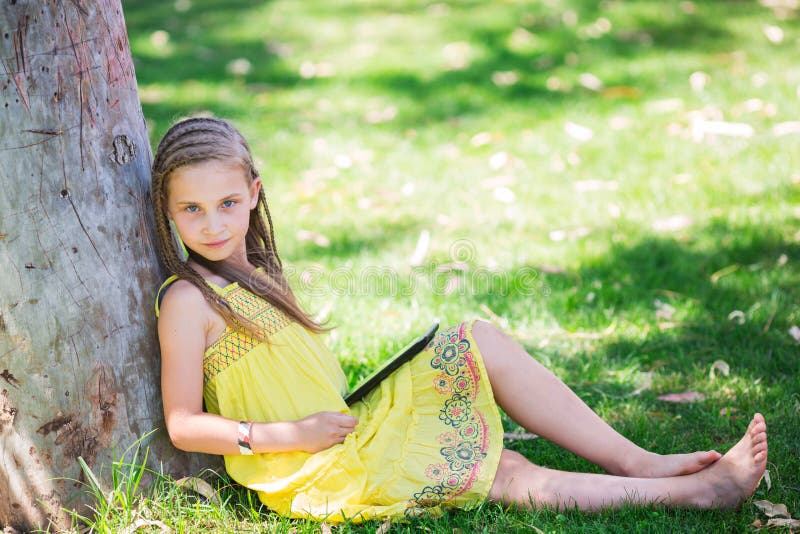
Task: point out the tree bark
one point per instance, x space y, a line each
78 271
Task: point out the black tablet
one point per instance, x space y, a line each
390 365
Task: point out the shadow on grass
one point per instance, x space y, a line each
734 290
200 52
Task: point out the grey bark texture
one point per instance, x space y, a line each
78 270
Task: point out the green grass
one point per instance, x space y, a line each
376 121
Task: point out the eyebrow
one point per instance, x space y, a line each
189 202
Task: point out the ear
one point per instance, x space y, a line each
255 188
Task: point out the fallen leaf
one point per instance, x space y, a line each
767 480
646 381
457 55
378 116
667 105
793 524
317 238
325 528
519 435
698 81
499 159
385 526
140 523
794 331
421 249
737 315
239 67
721 366
786 128
687 396
561 235
672 224
200 486
578 132
590 81
701 128
619 122
504 194
505 78
774 34
723 272
663 310
772 510
480 139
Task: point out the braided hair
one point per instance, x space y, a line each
201 139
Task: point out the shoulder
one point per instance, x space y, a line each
183 321
182 296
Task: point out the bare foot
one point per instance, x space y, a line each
669 465
734 477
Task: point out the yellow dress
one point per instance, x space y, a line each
430 435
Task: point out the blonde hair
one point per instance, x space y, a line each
197 140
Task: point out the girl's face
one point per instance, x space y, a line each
210 203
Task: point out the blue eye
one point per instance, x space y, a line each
192 209
228 203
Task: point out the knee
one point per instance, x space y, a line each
494 345
482 330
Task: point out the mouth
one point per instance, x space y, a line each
217 244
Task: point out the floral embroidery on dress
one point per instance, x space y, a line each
464 448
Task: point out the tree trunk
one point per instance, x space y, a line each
78 271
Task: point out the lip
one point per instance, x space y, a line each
217 244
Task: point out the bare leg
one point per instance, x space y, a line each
536 399
722 485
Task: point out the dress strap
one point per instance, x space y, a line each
161 289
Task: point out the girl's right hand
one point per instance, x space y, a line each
322 430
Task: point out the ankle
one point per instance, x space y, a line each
636 464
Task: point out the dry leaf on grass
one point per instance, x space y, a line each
786 128
772 510
519 435
578 131
317 238
702 128
672 224
721 366
794 331
645 383
737 315
200 486
723 272
421 249
325 528
140 523
384 527
663 310
767 480
686 396
793 524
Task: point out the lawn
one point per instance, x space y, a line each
615 183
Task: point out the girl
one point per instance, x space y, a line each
233 336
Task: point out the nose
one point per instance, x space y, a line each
214 225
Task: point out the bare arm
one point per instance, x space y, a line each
182 328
